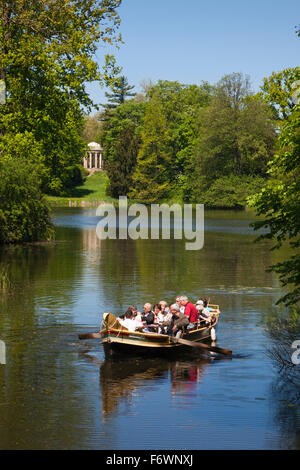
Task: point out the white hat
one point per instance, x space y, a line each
199 302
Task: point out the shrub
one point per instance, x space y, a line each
24 213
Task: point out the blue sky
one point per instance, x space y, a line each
194 40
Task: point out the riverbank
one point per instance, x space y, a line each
90 194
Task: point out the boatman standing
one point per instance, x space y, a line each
190 311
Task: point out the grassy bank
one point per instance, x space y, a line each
91 193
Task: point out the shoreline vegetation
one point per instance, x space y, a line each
92 192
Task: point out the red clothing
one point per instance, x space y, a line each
191 312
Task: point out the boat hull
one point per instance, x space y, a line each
121 342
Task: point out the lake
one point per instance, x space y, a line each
59 393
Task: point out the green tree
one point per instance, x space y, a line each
279 204
151 178
121 169
277 91
236 137
24 213
46 57
120 91
92 128
127 113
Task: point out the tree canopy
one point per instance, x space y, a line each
47 52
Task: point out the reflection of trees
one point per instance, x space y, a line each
286 386
283 332
40 275
120 380
153 270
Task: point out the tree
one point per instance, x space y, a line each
46 57
120 91
120 170
236 137
125 114
151 178
24 213
92 128
182 105
279 204
277 91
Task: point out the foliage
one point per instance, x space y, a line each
182 105
120 91
24 213
121 169
230 191
198 143
152 174
236 137
46 57
92 129
126 114
279 203
277 90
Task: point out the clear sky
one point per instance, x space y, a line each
194 40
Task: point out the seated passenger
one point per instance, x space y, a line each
180 305
205 303
167 316
177 321
164 306
129 322
158 316
190 311
204 314
148 317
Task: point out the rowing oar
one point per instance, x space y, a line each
195 344
91 335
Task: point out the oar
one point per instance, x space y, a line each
91 335
195 344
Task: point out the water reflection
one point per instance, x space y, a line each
52 398
283 330
121 380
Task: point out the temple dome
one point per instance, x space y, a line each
94 146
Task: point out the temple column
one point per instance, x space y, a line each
90 159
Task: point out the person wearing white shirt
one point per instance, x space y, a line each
130 322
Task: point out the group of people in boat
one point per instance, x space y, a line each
164 319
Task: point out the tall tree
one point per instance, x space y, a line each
236 137
152 174
46 57
121 168
279 204
120 91
277 90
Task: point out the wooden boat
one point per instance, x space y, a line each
118 339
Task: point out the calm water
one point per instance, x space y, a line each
59 393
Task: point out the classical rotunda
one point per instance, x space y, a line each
93 159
